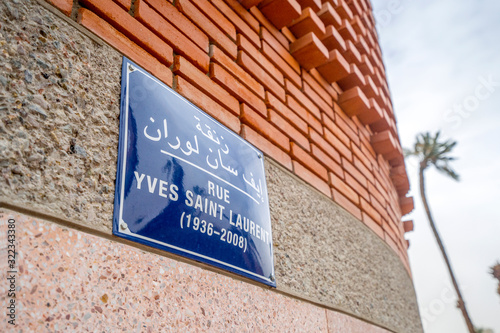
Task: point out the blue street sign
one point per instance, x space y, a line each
188 185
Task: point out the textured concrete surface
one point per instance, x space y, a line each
59 109
323 252
72 281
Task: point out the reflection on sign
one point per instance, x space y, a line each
187 184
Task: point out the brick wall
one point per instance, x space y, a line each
300 79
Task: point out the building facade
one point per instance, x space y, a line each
301 80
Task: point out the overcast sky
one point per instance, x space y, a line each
443 65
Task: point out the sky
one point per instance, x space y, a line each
442 61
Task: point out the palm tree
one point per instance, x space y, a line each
431 152
495 272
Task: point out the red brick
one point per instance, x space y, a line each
368 209
325 146
343 188
206 103
317 100
375 192
284 111
237 89
314 4
307 22
360 156
374 226
380 185
381 82
131 28
351 53
366 66
327 161
181 44
203 82
357 174
261 75
347 121
304 113
353 183
353 80
104 30
364 131
406 205
378 51
393 237
383 124
378 207
337 89
285 68
340 199
345 125
309 51
308 161
327 121
282 51
329 16
398 160
364 170
243 13
310 82
408 225
400 180
347 32
311 178
369 38
288 130
362 46
369 16
257 56
321 80
172 15
332 127
384 143
377 77
240 25
250 3
367 148
263 127
267 147
372 115
219 57
288 34
393 210
333 40
270 27
343 149
344 10
335 69
395 230
370 89
334 3
216 17
206 25
281 12
354 102
358 26
302 99
125 4
65 6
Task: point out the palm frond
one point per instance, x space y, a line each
431 151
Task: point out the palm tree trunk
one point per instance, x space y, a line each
460 303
